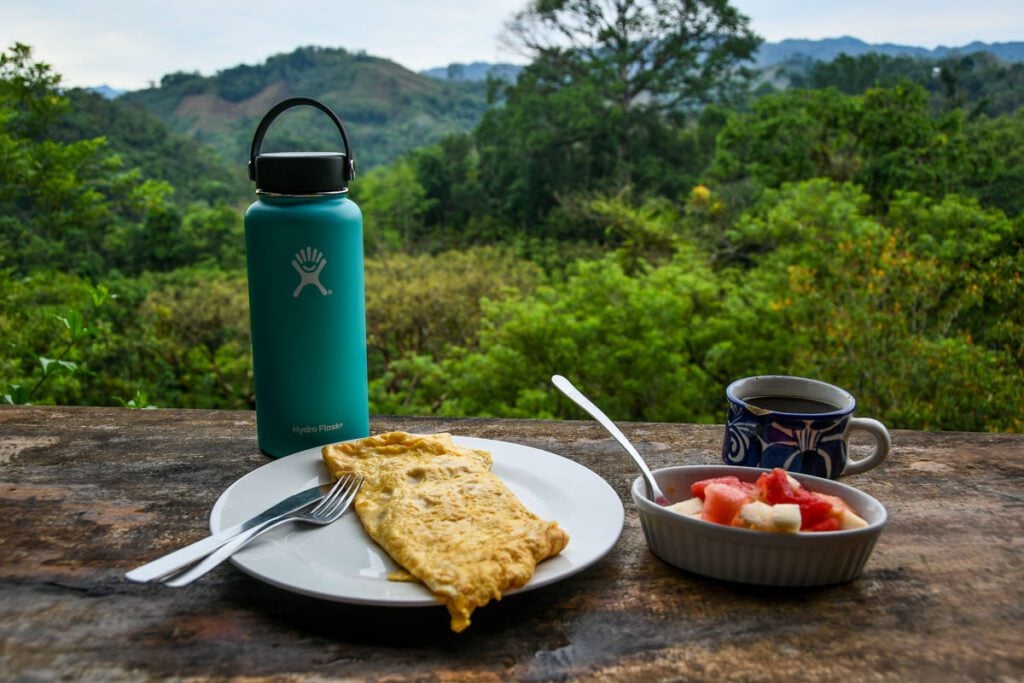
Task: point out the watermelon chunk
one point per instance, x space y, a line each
830 524
697 488
775 488
723 501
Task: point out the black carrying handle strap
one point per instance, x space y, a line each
261 131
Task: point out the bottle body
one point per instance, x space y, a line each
307 310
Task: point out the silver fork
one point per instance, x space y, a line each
331 507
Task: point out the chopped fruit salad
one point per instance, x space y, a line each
775 502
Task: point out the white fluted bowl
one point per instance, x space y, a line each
757 557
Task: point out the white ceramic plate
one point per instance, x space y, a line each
340 562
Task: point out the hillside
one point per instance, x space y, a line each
144 142
387 109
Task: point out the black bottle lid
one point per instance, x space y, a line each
300 173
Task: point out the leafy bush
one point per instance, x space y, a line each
656 346
418 307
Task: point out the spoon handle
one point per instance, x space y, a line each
567 388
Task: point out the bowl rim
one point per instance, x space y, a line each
845 491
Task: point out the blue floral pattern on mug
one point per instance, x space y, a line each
815 447
810 446
742 444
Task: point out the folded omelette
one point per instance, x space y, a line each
445 518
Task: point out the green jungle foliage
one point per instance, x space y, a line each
978 83
864 237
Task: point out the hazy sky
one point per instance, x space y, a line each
130 43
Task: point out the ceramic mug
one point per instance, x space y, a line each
798 424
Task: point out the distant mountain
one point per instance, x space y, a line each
387 109
829 48
106 92
771 54
477 71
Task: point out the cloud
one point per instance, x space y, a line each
128 44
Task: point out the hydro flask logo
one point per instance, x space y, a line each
309 263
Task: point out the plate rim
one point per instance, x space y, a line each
594 554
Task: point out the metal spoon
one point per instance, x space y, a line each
566 387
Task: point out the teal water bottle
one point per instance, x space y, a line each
304 251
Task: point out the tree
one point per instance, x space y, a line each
52 204
655 54
393 203
546 142
885 139
448 173
995 151
28 91
853 75
789 136
638 56
905 148
600 107
979 83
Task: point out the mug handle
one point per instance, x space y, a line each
883 443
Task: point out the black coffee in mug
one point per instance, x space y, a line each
798 424
792 404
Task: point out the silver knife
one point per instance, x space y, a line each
172 562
